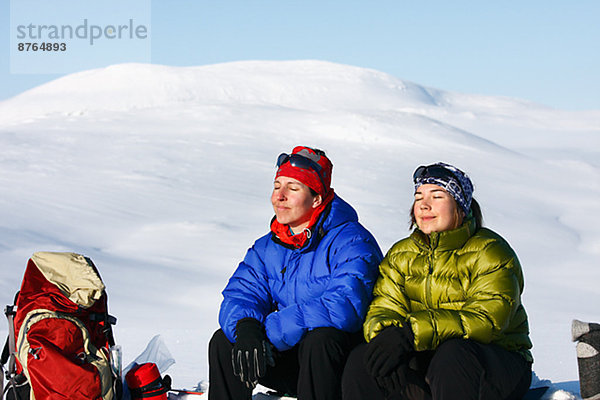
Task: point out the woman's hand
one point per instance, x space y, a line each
251 352
386 351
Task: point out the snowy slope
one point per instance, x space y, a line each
162 175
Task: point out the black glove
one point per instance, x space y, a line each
395 381
251 352
404 383
388 349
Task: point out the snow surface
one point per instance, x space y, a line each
162 175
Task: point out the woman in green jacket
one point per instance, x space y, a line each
446 321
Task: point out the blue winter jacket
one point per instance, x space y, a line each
327 283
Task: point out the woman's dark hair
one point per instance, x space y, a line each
475 212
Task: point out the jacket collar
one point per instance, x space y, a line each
314 234
447 240
336 213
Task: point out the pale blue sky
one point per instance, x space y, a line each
547 51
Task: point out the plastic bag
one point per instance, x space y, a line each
156 352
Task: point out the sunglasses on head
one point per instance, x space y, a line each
433 171
298 161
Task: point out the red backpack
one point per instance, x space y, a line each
60 334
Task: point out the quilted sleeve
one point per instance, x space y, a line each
390 305
246 295
343 303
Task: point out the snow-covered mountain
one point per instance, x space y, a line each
162 176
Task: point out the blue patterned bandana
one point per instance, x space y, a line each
449 178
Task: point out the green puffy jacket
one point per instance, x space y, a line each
458 284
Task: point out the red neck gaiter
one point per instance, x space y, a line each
284 233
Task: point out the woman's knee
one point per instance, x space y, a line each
325 339
355 365
455 351
356 381
454 357
219 343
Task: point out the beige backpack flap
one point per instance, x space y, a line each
73 276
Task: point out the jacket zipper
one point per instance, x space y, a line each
428 297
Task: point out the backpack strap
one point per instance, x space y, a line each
109 320
2 362
9 353
5 354
10 312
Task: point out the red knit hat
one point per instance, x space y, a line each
307 165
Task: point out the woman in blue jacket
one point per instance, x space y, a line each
294 307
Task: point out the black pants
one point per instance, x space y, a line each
458 369
312 370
